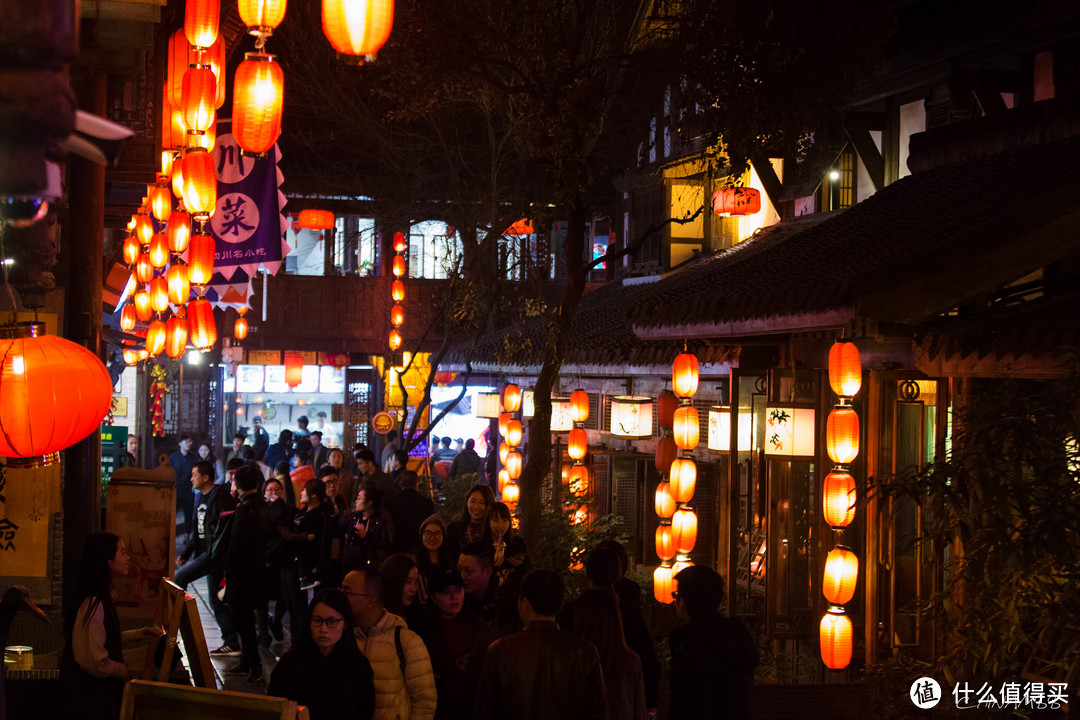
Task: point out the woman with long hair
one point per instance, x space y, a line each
507 546
369 531
307 541
433 553
401 584
597 619
92 669
324 669
472 525
206 452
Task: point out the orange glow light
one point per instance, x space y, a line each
159 251
258 88
687 428
663 584
664 503
179 285
842 435
178 233
835 639
845 369
577 445
841 575
511 398
684 375
397 291
684 528
683 479
357 28
665 543
838 499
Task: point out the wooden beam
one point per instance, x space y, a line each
869 154
773 187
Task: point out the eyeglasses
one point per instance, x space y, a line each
432 534
346 592
329 622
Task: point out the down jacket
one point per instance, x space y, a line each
411 697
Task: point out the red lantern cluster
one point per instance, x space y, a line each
397 292
510 429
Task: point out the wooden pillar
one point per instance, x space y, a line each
83 254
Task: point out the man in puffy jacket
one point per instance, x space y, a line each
404 683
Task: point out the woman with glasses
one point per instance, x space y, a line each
432 555
324 669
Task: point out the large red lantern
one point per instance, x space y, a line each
514 463
159 294
131 250
198 95
838 499
513 433
357 28
397 291
261 16
200 183
155 338
511 397
841 574
666 405
143 310
665 543
159 251
684 529
579 406
200 259
294 369
202 330
144 269
736 201
399 242
316 219
201 21
179 284
845 369
127 318
577 444
663 585
665 454
176 332
683 479
257 99
397 315
684 375
53 393
842 435
398 266
664 503
835 638
178 232
687 429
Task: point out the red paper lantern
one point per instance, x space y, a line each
663 585
504 418
838 499
397 315
665 543
179 285
684 375
664 503
514 463
178 232
666 405
202 330
200 259
316 219
201 21
127 318
131 250
686 428
130 356
504 479
578 444
198 95
176 332
159 251
155 338
684 529
397 291
200 183
845 369
395 339
294 369
181 56
398 267
399 242
159 294
665 454
736 201
257 100
513 433
160 202
841 575
141 300
53 393
240 328
357 28
579 406
835 638
261 16
511 398
842 435
144 228
683 479
578 480
511 493
144 269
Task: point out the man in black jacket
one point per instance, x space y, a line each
245 558
541 671
712 656
196 560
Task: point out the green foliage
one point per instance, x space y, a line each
1005 502
561 545
890 682
450 500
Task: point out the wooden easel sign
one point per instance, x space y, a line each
160 701
178 614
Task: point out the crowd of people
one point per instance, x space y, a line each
394 614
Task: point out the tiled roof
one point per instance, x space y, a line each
939 220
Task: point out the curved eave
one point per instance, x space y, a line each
772 325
